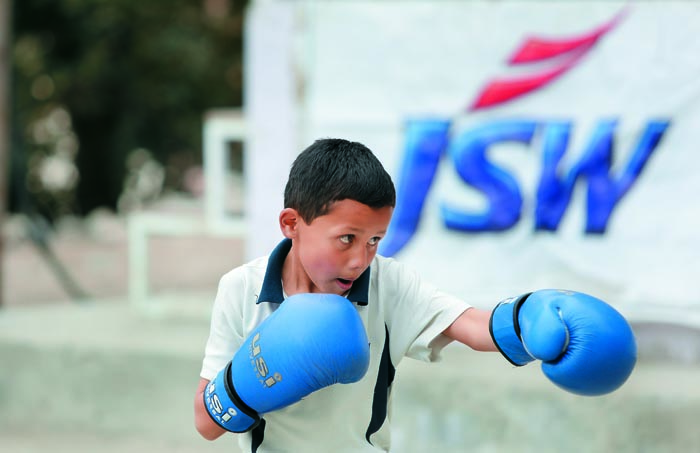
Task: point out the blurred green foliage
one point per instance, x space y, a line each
94 80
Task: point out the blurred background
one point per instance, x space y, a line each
104 108
145 147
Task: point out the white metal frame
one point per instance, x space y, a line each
220 128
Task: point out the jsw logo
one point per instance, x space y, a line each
427 141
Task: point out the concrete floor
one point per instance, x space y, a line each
102 377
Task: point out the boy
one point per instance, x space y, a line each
337 206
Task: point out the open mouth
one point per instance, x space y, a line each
344 283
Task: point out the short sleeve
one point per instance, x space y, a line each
226 329
416 313
441 312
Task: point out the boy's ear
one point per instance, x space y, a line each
289 218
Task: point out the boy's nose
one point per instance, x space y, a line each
358 258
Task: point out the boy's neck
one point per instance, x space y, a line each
294 278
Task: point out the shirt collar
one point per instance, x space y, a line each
271 290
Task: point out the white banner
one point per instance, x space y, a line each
533 144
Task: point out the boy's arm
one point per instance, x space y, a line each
202 420
585 345
268 372
472 329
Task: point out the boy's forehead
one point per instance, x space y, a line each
350 205
356 215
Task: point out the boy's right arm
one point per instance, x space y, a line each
268 372
202 420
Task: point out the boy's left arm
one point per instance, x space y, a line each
584 344
472 329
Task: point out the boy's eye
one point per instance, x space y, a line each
374 240
346 238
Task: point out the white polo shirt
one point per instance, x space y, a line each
403 317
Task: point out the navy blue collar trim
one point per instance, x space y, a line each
272 283
271 290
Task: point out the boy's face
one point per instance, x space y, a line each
331 252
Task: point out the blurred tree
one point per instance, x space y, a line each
95 80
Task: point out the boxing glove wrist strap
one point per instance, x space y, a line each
225 407
505 330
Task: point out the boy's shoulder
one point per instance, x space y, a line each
253 270
389 264
240 285
389 272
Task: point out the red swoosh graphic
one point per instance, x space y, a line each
536 49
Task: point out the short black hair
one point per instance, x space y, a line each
333 169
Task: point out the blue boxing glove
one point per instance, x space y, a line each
311 341
586 346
